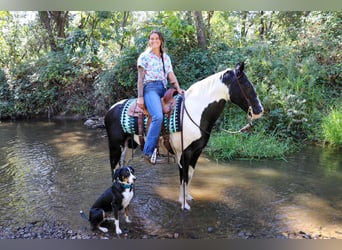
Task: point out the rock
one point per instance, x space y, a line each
89 123
94 122
210 229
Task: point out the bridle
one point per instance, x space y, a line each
250 109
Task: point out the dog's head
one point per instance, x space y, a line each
125 175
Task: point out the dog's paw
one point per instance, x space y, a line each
128 220
118 231
103 229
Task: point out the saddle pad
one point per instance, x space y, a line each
129 123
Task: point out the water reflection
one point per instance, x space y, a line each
51 170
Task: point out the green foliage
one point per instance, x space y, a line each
225 146
293 59
332 127
125 68
6 97
194 66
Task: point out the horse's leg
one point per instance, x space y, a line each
123 154
187 187
114 156
186 172
183 190
116 137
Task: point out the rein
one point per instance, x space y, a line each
187 112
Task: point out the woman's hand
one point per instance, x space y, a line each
180 91
140 102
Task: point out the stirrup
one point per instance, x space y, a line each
154 156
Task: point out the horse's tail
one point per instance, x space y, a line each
83 215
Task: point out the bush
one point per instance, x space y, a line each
6 97
223 146
332 127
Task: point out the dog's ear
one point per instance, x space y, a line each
131 168
117 173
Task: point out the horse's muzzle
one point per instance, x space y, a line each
254 116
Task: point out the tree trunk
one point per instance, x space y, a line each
61 20
262 26
123 24
54 22
243 24
200 30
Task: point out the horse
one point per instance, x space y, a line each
202 104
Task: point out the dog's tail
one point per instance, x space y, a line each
83 215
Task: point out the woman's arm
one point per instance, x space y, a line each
141 75
173 80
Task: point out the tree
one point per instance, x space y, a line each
54 22
200 30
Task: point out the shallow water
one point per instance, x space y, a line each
52 170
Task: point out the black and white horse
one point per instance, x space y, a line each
203 103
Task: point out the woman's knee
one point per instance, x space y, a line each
157 118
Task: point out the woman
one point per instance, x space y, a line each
154 71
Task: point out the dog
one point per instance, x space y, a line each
114 199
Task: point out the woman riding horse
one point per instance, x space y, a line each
203 103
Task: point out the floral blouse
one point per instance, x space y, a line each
153 66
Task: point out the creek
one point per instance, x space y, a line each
50 170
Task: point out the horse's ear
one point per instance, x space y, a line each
240 67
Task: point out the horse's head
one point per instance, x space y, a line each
242 92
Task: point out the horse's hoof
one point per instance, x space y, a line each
186 207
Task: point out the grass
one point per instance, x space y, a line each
223 146
332 127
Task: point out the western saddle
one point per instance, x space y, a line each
168 104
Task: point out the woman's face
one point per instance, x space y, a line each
154 42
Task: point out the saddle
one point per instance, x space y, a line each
168 104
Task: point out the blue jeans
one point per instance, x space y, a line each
152 93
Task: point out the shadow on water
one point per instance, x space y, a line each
52 170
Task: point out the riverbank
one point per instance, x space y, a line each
58 230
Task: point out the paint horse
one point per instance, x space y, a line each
202 104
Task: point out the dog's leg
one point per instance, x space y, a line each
126 215
103 229
116 220
117 227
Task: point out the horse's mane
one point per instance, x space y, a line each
208 81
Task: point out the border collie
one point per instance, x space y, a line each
114 199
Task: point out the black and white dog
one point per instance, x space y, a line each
114 199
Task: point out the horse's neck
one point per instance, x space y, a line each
208 89
205 101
